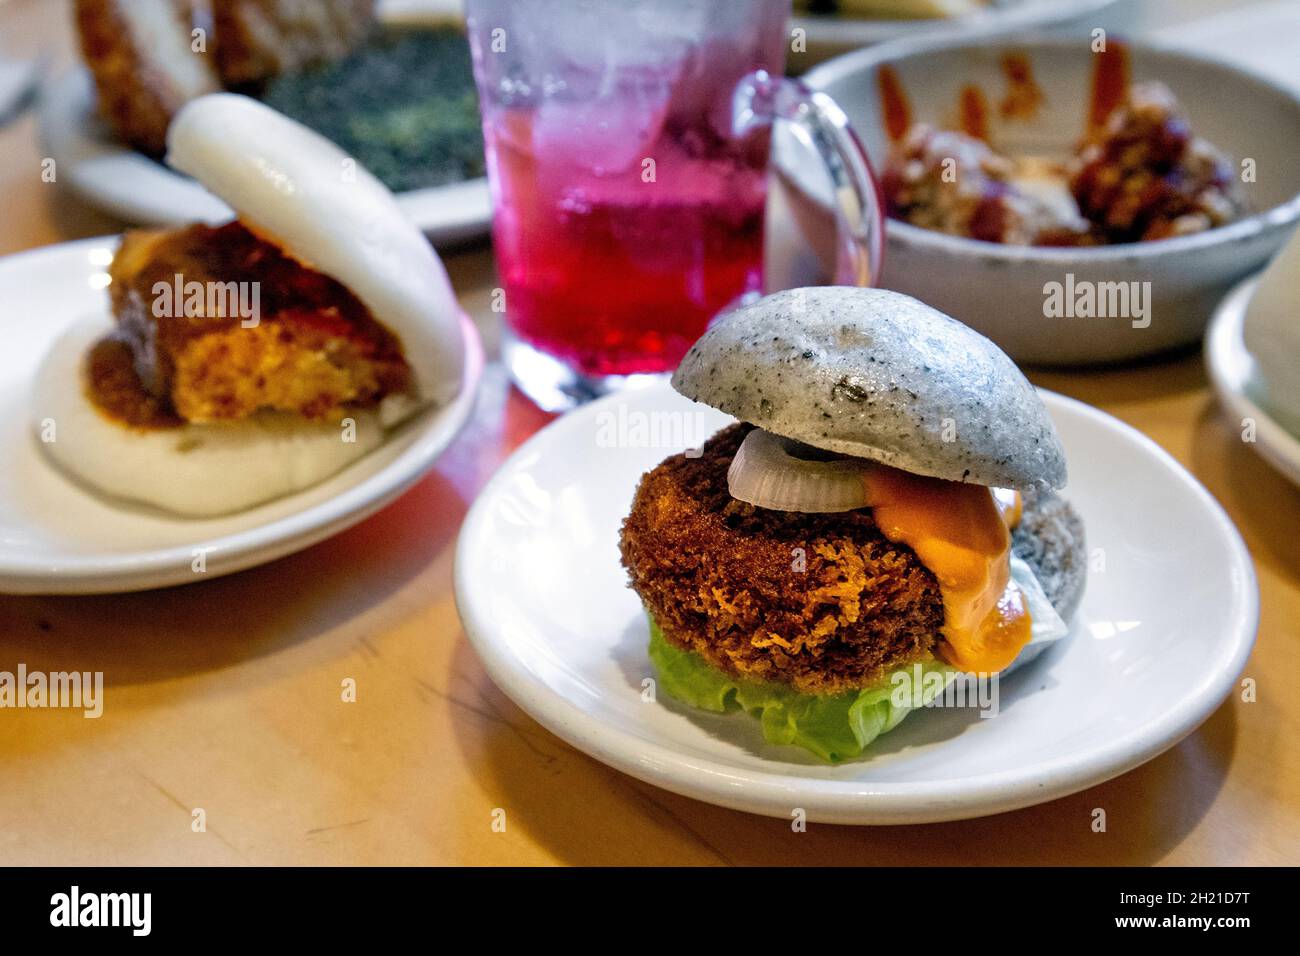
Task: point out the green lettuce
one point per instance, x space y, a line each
835 728
839 727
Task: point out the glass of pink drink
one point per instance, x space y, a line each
627 147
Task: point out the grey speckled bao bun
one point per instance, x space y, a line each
879 375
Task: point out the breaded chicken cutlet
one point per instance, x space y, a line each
312 349
821 602
149 58
144 66
259 39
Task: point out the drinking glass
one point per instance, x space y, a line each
627 152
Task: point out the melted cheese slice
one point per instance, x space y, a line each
960 533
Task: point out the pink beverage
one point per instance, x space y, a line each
615 276
626 211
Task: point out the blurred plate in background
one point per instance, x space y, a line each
125 183
1241 388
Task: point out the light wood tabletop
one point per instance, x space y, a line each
225 696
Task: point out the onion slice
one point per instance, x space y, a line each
785 475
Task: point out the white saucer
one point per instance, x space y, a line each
58 538
1233 372
1163 632
137 189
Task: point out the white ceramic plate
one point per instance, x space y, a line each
56 537
1162 634
135 188
1234 374
837 33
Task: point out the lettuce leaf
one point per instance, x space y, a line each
838 727
835 728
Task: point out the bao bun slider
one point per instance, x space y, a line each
886 504
253 359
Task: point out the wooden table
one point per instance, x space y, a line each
225 695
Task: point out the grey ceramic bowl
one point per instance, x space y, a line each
1000 290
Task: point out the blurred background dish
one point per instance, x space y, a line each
1002 290
1252 353
399 98
1272 334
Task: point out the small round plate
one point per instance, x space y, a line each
1233 371
117 179
1165 628
59 538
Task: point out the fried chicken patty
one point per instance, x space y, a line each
147 61
259 39
312 349
145 69
822 602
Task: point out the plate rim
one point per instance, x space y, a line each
855 802
165 567
1225 344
